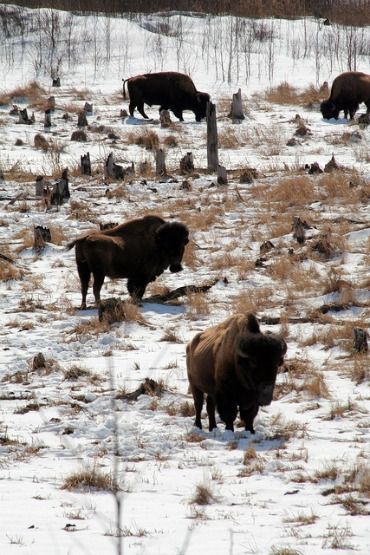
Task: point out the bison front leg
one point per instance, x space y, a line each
227 410
140 107
211 413
136 289
248 415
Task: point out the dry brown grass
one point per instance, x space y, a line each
32 92
290 191
9 271
253 300
148 139
203 495
198 305
91 479
287 94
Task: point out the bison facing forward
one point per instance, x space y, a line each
347 92
168 89
235 365
139 250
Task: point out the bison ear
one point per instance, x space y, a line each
252 324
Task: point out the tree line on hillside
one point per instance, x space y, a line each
348 12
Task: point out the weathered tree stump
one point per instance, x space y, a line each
88 108
187 164
248 175
24 119
298 230
79 135
160 162
56 82
39 141
221 175
266 247
39 185
108 225
331 165
51 103
38 361
41 236
82 120
236 111
47 120
123 113
165 118
212 138
360 340
113 170
313 168
85 164
60 189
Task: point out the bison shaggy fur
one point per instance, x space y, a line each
170 90
139 250
347 92
235 365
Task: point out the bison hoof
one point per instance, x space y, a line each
83 306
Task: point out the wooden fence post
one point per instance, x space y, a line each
212 138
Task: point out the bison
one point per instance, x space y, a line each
170 90
139 250
347 92
235 365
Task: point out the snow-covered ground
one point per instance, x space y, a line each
301 483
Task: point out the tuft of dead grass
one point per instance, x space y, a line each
91 479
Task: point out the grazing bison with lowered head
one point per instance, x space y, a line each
139 250
235 365
170 90
347 92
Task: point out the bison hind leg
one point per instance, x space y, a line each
98 283
136 289
84 275
198 397
140 107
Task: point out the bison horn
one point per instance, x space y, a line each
252 324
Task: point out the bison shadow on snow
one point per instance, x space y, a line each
139 250
235 365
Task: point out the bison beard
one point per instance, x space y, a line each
347 92
235 365
139 250
170 90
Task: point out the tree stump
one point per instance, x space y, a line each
360 340
82 120
331 165
165 118
56 82
23 117
221 175
41 236
187 164
236 112
266 247
212 138
39 185
113 170
108 225
51 103
85 164
79 135
298 230
88 108
160 163
47 120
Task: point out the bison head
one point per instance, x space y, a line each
329 110
258 358
171 238
202 100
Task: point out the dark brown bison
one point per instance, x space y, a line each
347 92
139 250
168 89
235 365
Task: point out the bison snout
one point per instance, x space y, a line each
265 395
174 268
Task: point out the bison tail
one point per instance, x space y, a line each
124 88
